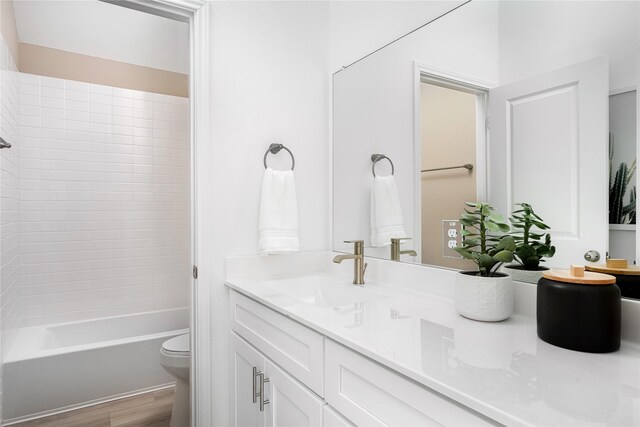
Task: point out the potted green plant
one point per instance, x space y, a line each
484 294
532 245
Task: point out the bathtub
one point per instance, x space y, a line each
59 367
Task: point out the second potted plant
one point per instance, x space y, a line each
485 294
532 245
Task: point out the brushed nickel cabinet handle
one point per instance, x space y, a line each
263 401
256 393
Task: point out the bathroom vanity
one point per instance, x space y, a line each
326 352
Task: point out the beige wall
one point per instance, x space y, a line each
8 27
45 61
448 138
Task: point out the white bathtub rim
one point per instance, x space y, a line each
15 355
31 417
27 341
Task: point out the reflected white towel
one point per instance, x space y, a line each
278 213
386 214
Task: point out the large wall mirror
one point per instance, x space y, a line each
496 101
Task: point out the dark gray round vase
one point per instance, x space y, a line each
579 317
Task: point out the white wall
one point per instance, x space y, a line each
373 108
357 28
104 207
270 82
536 37
9 203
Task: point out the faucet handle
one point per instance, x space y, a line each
354 241
399 239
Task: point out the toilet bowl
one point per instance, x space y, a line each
175 359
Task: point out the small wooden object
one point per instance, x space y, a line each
577 270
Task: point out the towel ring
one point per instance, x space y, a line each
275 149
375 158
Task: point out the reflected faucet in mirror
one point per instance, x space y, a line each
359 266
395 248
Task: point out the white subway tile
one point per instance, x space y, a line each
28 89
30 100
142 113
76 85
29 78
77 105
122 102
51 82
121 130
76 95
100 108
30 121
100 89
143 123
52 92
161 98
54 113
99 98
125 93
119 110
122 121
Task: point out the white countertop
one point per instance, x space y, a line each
502 370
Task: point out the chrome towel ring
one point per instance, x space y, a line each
375 158
275 149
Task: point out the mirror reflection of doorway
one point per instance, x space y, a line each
451 122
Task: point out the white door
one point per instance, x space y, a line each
244 358
291 404
548 146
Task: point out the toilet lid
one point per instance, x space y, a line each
179 344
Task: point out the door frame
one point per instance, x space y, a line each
480 88
195 13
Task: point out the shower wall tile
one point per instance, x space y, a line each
9 203
105 201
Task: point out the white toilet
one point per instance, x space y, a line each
175 359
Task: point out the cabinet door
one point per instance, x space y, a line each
244 358
290 403
331 418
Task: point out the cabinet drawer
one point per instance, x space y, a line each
369 394
297 349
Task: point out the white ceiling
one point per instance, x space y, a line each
94 28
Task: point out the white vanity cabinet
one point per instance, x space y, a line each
372 395
310 380
265 395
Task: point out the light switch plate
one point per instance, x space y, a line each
451 238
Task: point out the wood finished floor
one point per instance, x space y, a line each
151 409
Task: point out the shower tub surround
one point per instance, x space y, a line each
94 360
95 225
9 201
104 210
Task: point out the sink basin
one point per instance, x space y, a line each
322 291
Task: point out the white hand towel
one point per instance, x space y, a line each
386 214
278 213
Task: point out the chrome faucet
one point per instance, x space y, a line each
395 248
359 266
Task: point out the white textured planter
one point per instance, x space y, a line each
522 275
489 299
